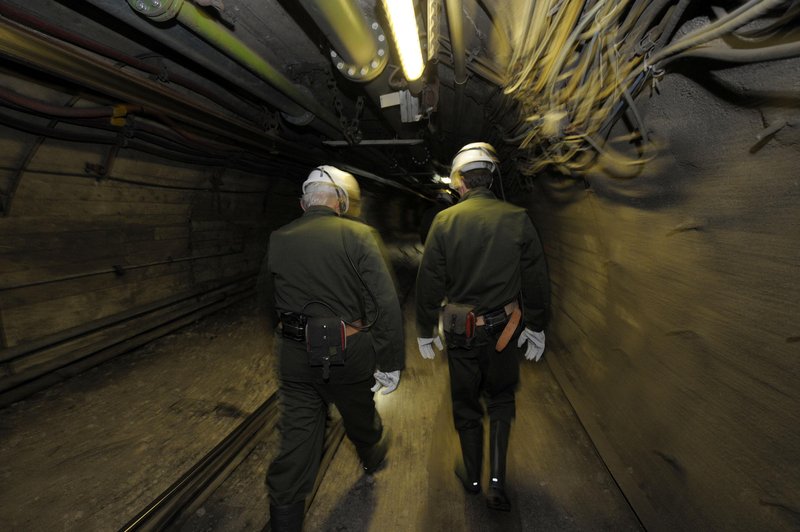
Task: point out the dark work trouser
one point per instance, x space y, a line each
482 370
304 409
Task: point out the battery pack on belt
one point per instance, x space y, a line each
326 343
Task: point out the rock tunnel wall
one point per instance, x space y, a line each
96 261
675 303
92 266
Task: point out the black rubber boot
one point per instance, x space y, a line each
372 457
472 453
497 499
287 518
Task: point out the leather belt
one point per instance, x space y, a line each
510 308
349 330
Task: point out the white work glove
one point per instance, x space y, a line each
535 343
388 380
426 346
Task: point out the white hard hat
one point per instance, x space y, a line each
472 156
350 186
344 183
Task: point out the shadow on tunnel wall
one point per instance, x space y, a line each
675 304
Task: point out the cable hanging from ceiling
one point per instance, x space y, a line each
577 65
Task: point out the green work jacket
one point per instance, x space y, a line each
325 265
482 252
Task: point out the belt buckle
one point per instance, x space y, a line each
495 320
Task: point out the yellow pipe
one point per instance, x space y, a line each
346 28
218 36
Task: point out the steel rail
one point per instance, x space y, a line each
195 486
167 507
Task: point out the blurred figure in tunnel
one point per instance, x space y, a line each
340 337
484 260
444 199
353 191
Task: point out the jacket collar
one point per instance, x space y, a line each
319 210
479 192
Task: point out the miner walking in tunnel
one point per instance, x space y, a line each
341 337
484 259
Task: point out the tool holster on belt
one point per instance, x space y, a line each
458 322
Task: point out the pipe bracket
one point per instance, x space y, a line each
370 71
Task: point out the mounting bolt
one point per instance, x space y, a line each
158 10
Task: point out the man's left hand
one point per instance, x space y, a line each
388 380
535 341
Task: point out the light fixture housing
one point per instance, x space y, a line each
403 23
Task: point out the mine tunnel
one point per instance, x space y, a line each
150 147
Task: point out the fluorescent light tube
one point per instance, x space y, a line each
406 36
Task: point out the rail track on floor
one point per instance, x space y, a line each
195 486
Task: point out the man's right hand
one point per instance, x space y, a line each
426 346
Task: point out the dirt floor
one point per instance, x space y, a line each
556 480
88 453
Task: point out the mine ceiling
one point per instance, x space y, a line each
275 86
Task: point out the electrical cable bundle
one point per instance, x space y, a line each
577 65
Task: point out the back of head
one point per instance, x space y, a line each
328 185
472 157
478 177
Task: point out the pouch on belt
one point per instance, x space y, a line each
458 322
